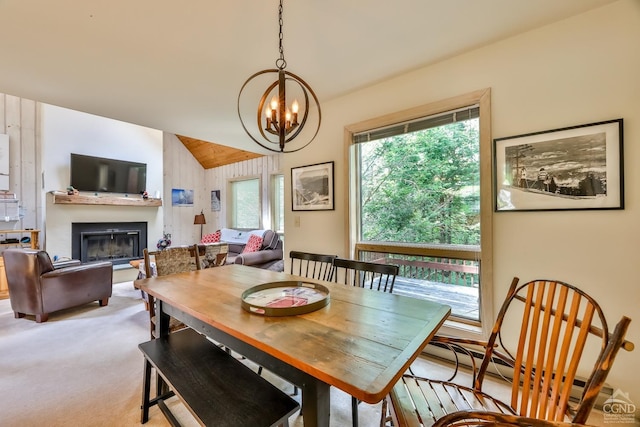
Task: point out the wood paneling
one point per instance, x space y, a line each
211 155
19 118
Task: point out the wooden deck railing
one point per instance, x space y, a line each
444 264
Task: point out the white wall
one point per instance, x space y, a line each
581 70
66 131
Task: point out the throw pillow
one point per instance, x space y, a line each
253 245
270 239
211 238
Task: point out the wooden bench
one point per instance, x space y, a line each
217 388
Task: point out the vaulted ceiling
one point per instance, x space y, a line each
211 155
178 66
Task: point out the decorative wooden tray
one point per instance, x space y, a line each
286 298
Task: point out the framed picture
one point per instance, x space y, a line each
215 200
579 167
312 187
181 197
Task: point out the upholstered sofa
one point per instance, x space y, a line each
39 287
263 250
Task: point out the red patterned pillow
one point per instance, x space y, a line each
211 238
253 244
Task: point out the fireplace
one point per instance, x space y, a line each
118 242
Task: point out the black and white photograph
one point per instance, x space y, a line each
312 187
215 200
573 168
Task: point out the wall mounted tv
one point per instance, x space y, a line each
98 174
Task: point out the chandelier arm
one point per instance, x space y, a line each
240 115
259 114
308 88
304 117
282 109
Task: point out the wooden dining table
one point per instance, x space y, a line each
361 342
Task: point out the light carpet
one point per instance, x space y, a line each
83 368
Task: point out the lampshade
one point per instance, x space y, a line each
199 219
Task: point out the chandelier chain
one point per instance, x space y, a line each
280 62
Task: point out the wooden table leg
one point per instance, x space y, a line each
316 403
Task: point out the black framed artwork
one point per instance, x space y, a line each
572 168
312 187
215 200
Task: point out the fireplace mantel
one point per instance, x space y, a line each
104 199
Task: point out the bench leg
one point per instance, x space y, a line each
146 389
354 411
161 387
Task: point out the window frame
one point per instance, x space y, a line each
231 201
273 202
483 99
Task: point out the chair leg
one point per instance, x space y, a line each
384 418
18 315
42 317
146 389
103 302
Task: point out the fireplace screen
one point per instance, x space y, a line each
114 245
115 242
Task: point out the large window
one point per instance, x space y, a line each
245 204
418 201
419 182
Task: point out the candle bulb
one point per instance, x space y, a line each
288 120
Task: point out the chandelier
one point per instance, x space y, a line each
277 122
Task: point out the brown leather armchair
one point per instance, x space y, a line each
38 288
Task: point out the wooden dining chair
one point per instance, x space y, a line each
547 332
370 275
363 274
475 419
177 259
314 266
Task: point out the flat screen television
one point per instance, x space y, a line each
98 174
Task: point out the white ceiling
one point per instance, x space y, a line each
178 66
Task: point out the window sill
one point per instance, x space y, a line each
461 330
